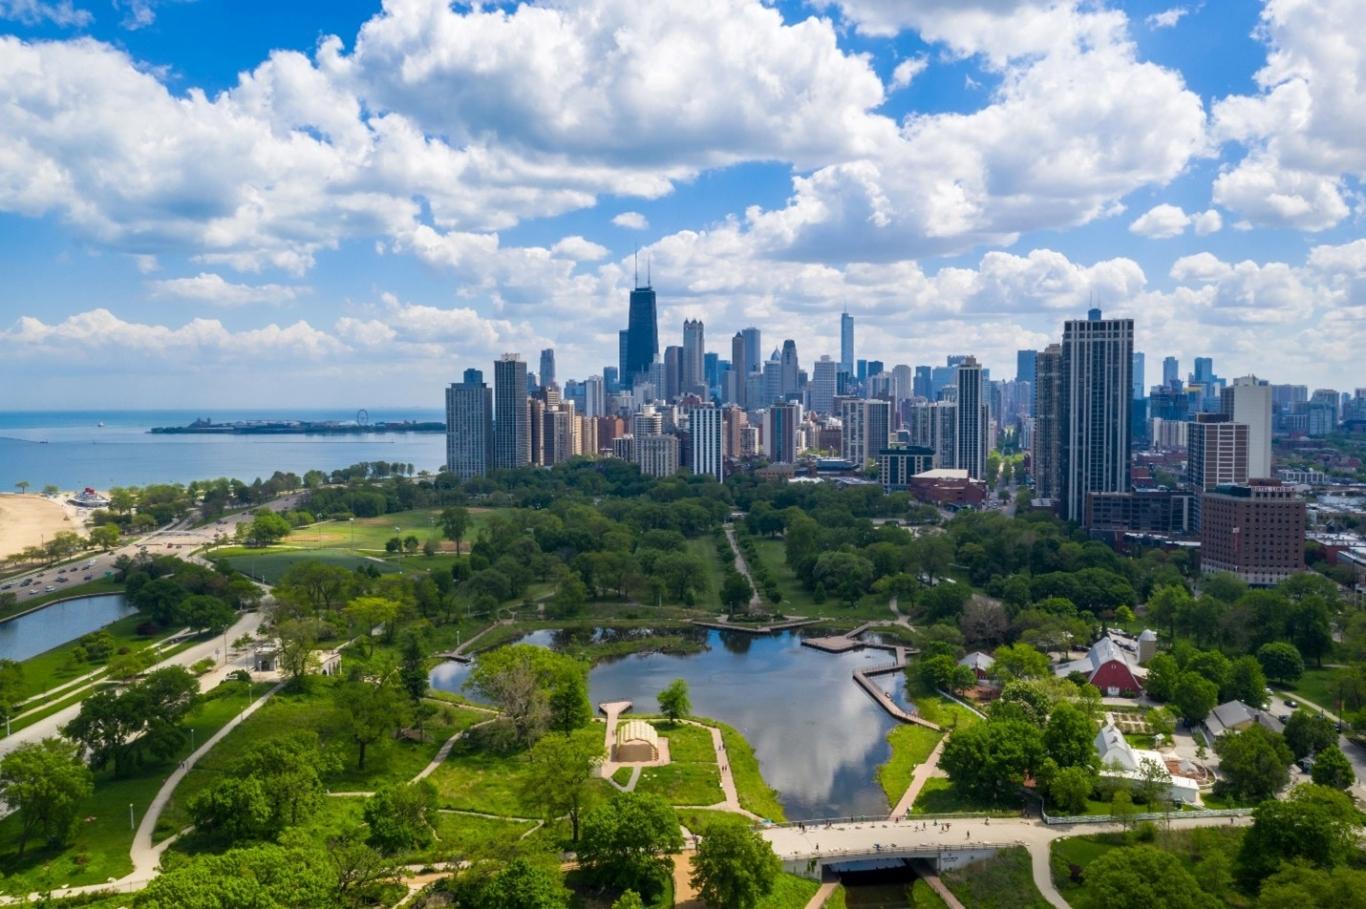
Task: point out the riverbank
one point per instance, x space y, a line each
31 520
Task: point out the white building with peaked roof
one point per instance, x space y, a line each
1122 761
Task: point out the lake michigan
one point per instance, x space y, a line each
71 450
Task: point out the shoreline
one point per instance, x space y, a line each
29 519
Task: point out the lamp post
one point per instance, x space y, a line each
130 815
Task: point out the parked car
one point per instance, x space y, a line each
1291 704
50 588
87 577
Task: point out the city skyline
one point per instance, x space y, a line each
392 234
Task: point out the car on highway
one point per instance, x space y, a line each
87 577
50 588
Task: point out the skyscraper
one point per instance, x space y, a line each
673 373
791 369
780 432
1139 387
923 384
1046 452
512 417
740 368
1171 370
694 380
971 436
623 347
1248 401
1097 382
642 344
867 429
469 426
705 434
773 379
594 397
846 343
548 367
821 390
1024 365
754 353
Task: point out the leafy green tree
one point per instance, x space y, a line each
1195 696
1069 737
233 809
1281 662
521 884
206 614
1300 886
569 706
144 720
297 639
1332 769
291 769
1027 701
1070 787
412 670
1245 682
629 900
12 690
674 700
1253 763
455 523
45 783
368 613
735 867
938 671
1314 824
105 537
266 528
369 708
1307 733
627 840
570 596
990 760
1020 661
520 679
1143 877
1164 675
260 877
1166 604
736 592
565 769
402 817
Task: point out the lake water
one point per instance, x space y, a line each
819 738
52 626
70 448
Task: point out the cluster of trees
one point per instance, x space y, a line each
174 593
537 690
45 783
144 722
268 526
758 568
277 783
1195 681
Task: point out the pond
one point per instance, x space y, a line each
819 738
51 626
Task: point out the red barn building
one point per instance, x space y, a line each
1108 667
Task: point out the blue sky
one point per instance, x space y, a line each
238 203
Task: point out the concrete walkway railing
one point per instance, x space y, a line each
1145 816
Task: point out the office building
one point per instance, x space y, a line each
1171 372
547 376
642 343
820 394
1248 401
1024 365
897 464
867 429
469 426
511 414
672 384
1097 366
657 455
694 379
623 357
791 376
594 397
780 432
740 369
1139 388
754 353
706 438
902 383
923 384
772 380
970 437
1253 530
846 343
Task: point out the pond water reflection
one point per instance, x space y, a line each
819 738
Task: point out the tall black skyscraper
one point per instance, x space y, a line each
642 327
1097 385
512 418
547 367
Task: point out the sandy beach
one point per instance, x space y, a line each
27 520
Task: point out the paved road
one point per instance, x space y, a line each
1356 754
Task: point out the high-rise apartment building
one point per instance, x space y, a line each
867 429
706 438
740 369
736 421
642 344
971 434
1248 401
511 413
557 435
902 383
469 427
547 376
846 343
1097 380
780 432
694 358
657 455
1045 454
1253 530
594 397
1216 452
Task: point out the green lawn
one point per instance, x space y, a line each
472 779
683 783
288 713
687 743
790 892
697 819
922 897
1004 881
704 548
99 850
797 600
939 797
911 745
1313 686
755 794
940 710
269 564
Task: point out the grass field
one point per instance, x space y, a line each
797 600
288 713
911 745
1004 881
922 897
270 563
704 548
1313 686
755 794
939 797
789 892
99 850
694 784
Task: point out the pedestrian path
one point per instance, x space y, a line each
926 769
822 895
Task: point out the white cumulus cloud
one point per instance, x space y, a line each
907 70
631 220
1161 222
207 287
